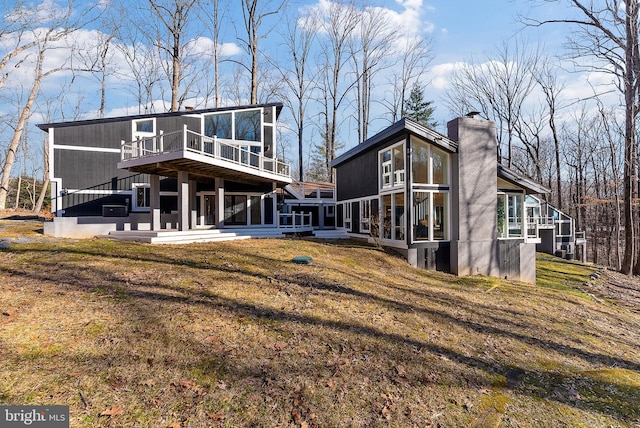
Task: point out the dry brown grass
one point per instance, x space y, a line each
234 334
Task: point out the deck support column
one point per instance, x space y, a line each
193 203
219 203
183 200
154 201
276 214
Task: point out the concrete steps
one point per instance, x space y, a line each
331 234
205 235
214 235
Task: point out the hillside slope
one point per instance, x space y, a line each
235 334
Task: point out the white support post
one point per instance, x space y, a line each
193 218
154 201
219 203
183 200
161 141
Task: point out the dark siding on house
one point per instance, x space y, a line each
176 123
268 210
84 170
509 257
434 256
91 205
355 217
108 135
358 177
232 186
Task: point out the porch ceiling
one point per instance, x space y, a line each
168 165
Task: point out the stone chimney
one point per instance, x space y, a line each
474 245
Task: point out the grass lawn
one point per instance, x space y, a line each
235 334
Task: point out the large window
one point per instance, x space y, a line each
510 215
244 125
429 165
369 216
430 216
219 125
392 166
247 124
398 216
392 223
430 192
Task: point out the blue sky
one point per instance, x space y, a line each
460 31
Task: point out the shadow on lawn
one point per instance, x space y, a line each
56 272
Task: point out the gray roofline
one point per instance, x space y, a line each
45 126
519 180
403 125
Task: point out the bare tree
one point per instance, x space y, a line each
337 27
254 13
36 36
371 45
548 82
498 88
168 33
415 57
144 67
295 72
606 40
212 18
97 60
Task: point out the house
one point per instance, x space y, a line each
444 202
556 230
165 174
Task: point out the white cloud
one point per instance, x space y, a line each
205 46
37 14
441 74
408 21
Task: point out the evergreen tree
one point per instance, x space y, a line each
415 107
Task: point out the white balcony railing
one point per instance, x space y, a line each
234 151
294 221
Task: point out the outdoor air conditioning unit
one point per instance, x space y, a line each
114 211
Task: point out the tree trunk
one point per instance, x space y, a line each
17 201
629 137
19 129
175 78
43 193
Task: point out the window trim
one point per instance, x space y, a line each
135 206
259 142
430 226
432 148
365 221
392 173
142 134
506 194
346 215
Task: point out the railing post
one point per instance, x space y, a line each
121 150
184 137
161 141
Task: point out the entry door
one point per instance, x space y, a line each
235 209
